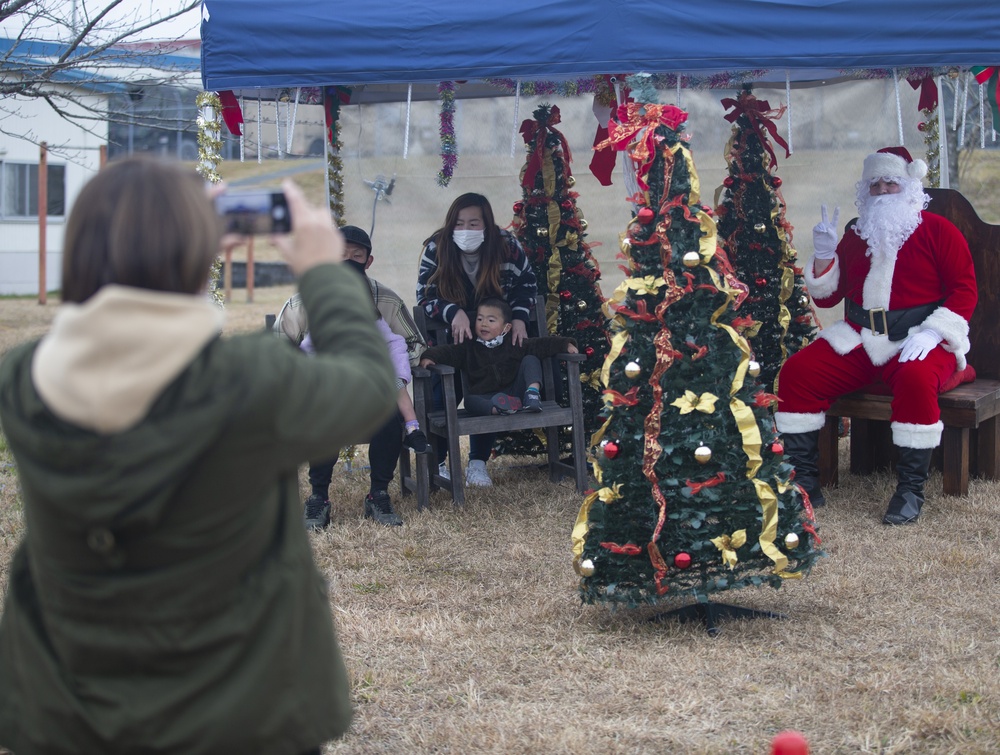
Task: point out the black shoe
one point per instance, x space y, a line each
416 440
378 506
532 402
317 512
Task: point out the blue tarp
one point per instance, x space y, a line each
263 43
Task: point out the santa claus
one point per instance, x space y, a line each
909 288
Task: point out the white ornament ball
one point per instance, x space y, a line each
586 567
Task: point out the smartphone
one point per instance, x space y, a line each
254 212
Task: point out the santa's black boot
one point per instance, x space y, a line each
802 452
911 471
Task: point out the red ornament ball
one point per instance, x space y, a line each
682 560
589 351
775 182
611 449
777 448
566 204
761 281
565 295
789 743
922 126
728 182
646 215
518 206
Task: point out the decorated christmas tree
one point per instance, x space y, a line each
693 496
757 238
552 231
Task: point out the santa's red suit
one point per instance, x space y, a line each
933 266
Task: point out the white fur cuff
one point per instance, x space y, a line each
824 285
908 435
799 422
842 337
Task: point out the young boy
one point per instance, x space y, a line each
502 378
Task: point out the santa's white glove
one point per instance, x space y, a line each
825 235
919 345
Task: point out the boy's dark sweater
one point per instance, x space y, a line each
492 370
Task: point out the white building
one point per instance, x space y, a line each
74 155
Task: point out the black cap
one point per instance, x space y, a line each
354 235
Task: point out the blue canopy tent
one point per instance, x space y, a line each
262 44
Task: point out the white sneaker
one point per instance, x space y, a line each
475 474
443 470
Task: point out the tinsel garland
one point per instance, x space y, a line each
335 176
209 157
932 146
449 146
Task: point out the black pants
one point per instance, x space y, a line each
383 455
528 373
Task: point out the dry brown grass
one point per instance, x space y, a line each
464 632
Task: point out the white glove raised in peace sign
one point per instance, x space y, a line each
825 235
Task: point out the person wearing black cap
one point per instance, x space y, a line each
386 445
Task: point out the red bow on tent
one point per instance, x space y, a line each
990 77
529 129
333 98
928 92
761 117
232 113
634 117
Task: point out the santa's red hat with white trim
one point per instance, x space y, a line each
892 162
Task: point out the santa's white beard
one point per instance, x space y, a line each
886 221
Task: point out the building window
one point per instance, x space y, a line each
19 197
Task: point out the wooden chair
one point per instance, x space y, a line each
970 444
451 422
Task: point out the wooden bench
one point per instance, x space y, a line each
450 422
970 443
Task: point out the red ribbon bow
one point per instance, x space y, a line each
529 129
634 118
629 549
711 482
928 92
761 117
983 75
232 113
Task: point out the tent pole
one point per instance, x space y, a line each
944 182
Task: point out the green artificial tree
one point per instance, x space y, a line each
551 229
693 495
758 238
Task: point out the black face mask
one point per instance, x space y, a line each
354 264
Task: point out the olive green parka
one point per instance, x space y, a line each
164 598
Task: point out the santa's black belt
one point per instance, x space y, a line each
895 322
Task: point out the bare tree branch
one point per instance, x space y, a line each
55 60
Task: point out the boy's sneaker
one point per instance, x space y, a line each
416 440
443 470
505 404
475 474
378 506
317 512
532 402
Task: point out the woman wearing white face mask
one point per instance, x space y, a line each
467 260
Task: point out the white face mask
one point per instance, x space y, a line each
468 241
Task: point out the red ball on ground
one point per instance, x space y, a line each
789 743
682 560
